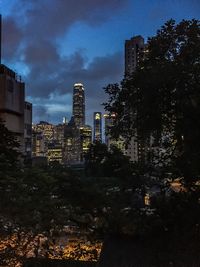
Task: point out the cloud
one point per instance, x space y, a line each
31 37
56 93
11 38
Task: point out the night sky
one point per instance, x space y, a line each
53 44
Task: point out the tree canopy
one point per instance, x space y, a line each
9 149
162 97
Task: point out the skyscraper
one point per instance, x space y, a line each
134 54
97 127
79 105
133 49
85 140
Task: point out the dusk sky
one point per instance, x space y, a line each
53 44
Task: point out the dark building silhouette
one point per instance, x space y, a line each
97 127
79 105
133 49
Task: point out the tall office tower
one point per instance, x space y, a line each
85 140
79 105
59 133
97 127
133 53
135 50
72 151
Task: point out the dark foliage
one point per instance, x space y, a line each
162 97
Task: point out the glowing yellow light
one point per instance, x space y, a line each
97 116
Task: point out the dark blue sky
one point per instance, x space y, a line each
56 43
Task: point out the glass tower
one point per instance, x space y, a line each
79 105
97 127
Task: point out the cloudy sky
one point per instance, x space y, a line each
53 44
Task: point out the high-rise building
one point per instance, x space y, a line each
47 129
85 140
39 148
97 127
135 50
72 151
55 153
79 105
59 133
133 53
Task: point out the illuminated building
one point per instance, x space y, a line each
72 142
79 105
72 151
39 148
85 139
97 127
45 136
55 153
59 133
47 129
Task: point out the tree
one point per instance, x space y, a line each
162 98
116 164
9 149
94 158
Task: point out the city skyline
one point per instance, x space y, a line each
76 45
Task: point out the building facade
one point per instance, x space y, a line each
135 50
55 153
79 105
72 150
97 119
12 103
39 148
85 140
133 53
